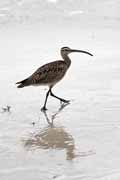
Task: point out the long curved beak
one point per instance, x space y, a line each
81 51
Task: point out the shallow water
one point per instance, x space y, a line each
78 141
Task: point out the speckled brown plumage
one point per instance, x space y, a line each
49 74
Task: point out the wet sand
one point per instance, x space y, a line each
78 141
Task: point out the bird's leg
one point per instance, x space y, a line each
61 100
44 107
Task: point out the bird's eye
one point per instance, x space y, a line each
66 49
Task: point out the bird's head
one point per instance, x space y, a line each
67 50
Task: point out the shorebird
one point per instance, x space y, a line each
51 73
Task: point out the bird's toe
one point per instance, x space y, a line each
44 108
65 101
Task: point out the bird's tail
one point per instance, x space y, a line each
23 83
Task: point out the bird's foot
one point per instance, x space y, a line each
44 108
64 101
63 104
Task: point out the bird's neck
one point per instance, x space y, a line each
66 59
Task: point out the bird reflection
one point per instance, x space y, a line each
52 137
51 120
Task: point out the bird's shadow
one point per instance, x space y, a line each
51 137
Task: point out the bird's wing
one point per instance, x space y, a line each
48 72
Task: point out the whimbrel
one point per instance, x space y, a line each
51 73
